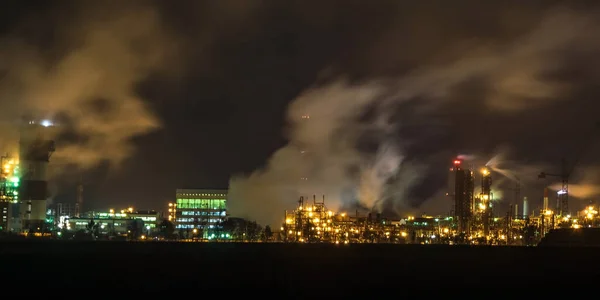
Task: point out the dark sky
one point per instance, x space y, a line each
220 94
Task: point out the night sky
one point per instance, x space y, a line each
479 78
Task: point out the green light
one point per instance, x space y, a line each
14 179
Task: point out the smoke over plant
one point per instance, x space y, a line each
327 122
89 86
374 179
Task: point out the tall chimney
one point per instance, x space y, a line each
545 206
525 207
35 149
79 199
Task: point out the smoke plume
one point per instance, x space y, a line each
86 80
353 133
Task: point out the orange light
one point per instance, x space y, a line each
457 162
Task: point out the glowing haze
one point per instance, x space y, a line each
91 87
344 113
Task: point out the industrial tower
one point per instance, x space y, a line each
485 200
79 204
303 154
463 197
35 148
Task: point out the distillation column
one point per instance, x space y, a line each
463 198
486 200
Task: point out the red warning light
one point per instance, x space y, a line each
457 162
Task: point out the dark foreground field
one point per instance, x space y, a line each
292 270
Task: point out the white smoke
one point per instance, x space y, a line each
374 177
331 134
108 51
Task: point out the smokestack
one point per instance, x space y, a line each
516 211
545 206
79 207
35 149
525 207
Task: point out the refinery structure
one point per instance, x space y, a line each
24 179
473 221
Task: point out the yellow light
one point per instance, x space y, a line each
486 197
309 209
446 230
481 206
330 213
112 211
195 230
289 221
290 232
143 237
316 220
343 215
576 226
281 228
310 215
130 209
485 171
403 234
170 204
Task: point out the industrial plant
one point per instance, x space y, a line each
201 214
473 221
24 179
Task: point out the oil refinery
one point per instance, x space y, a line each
201 214
473 221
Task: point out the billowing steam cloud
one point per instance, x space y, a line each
515 76
91 88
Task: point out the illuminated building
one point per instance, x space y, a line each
199 212
463 197
149 217
106 223
114 223
9 195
